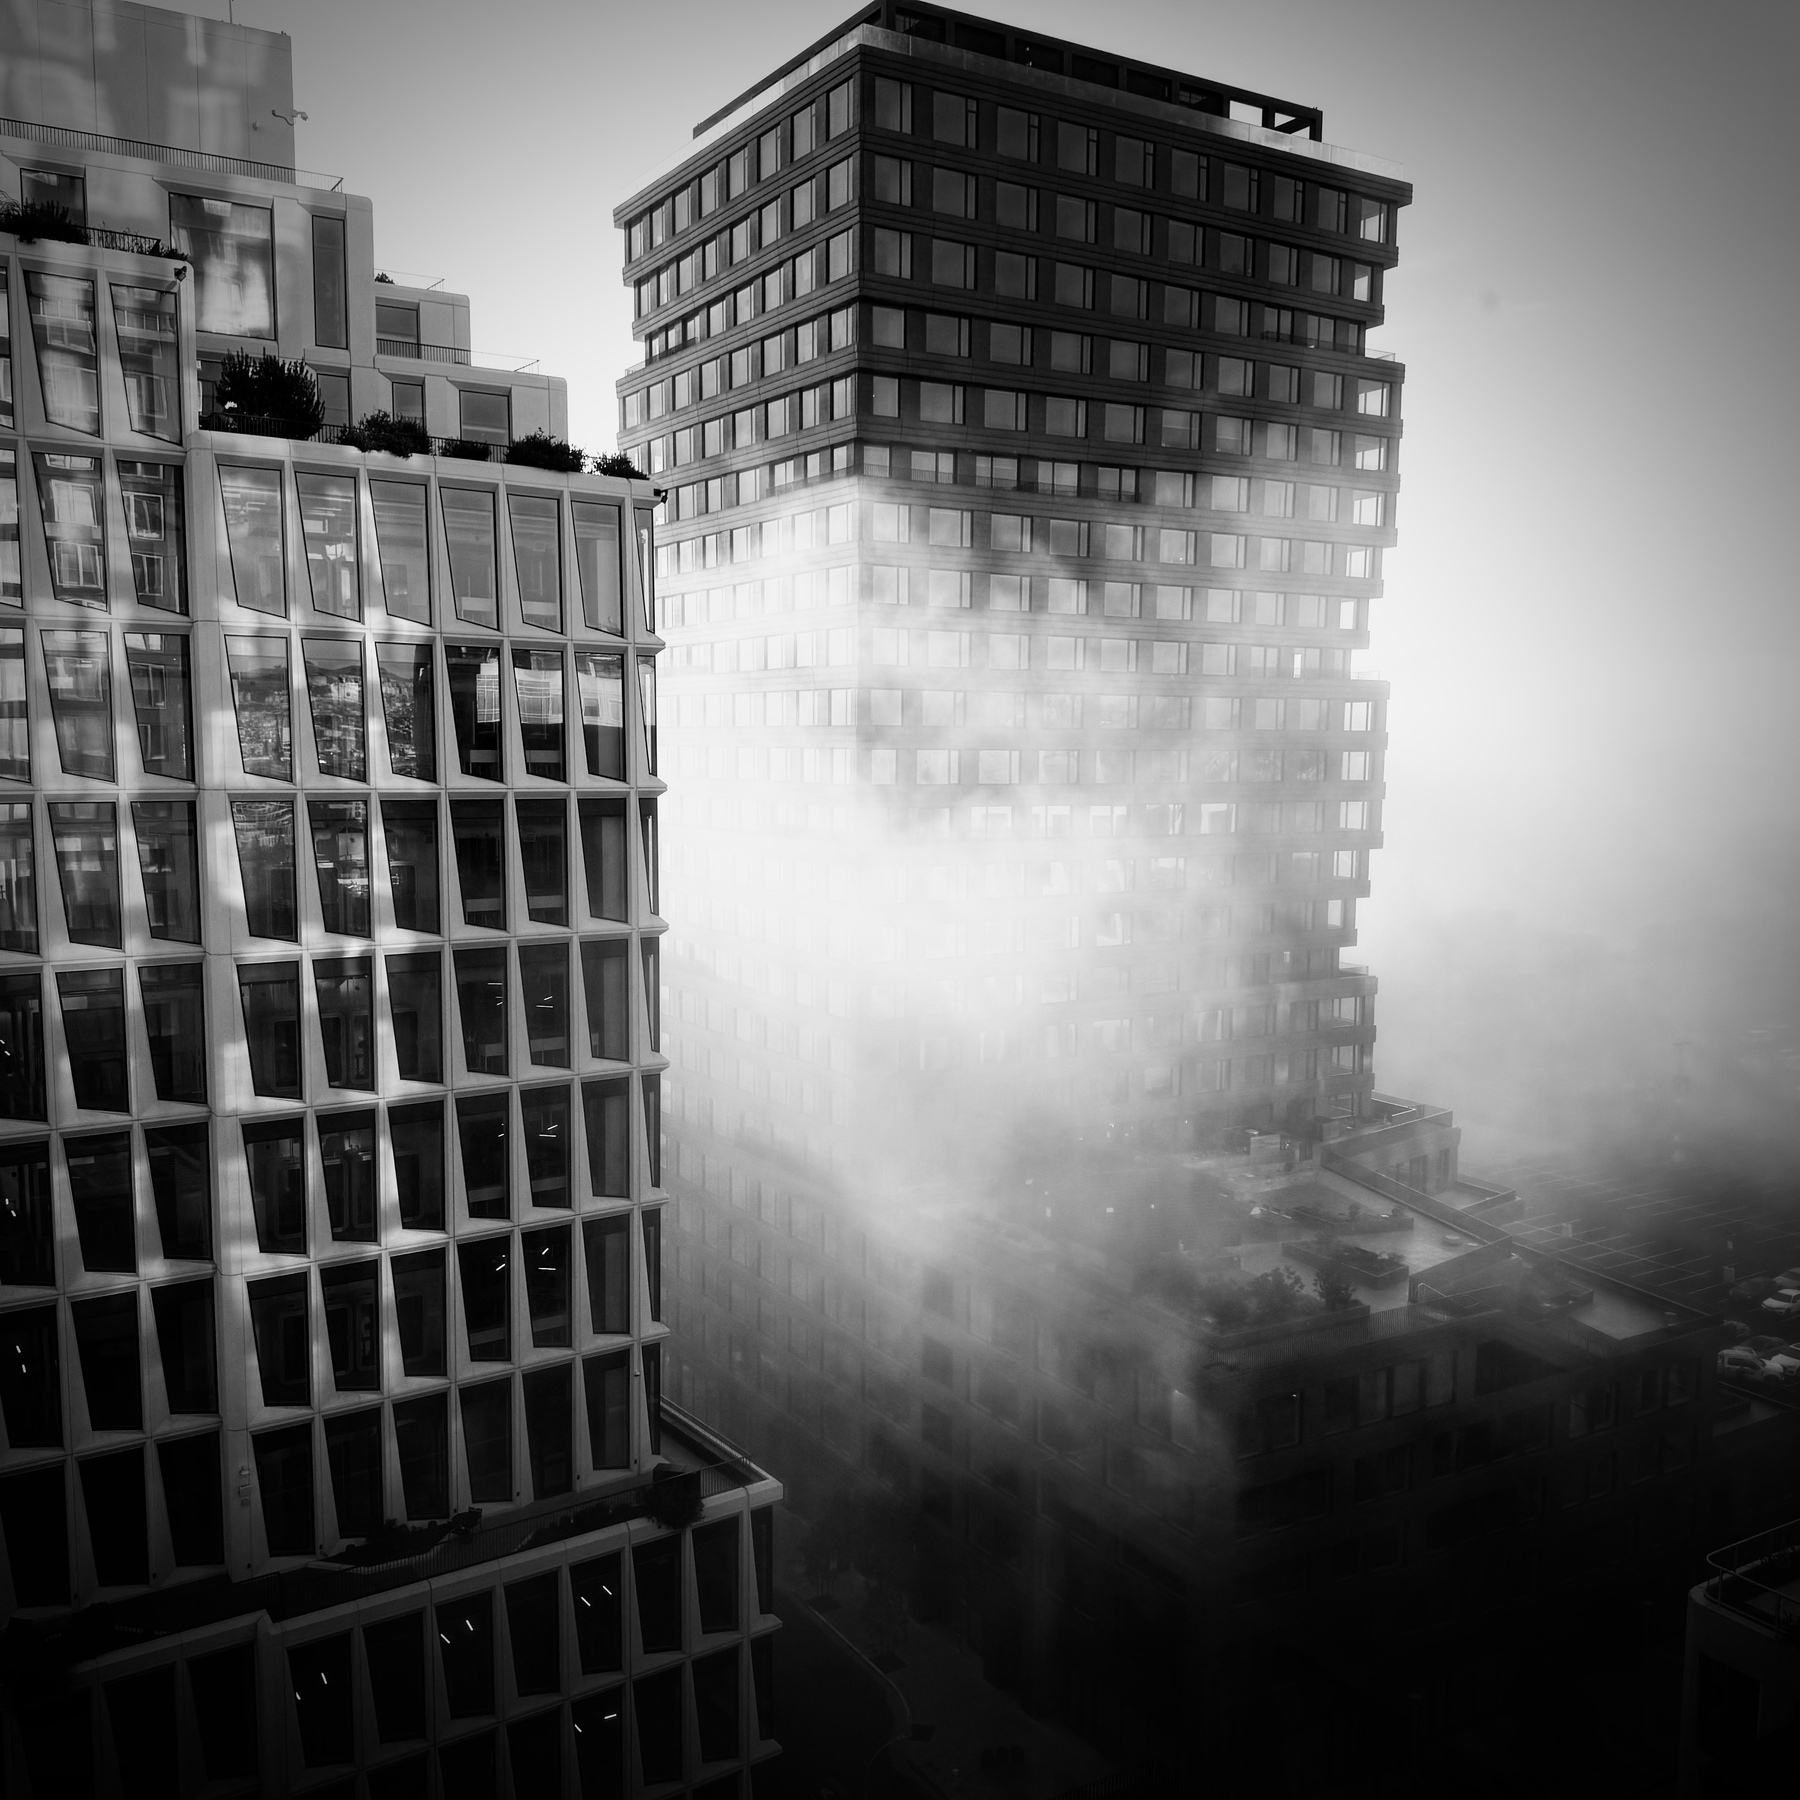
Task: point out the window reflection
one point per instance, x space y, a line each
479 828
158 667
181 1182
539 675
253 533
11 581
644 519
597 564
411 827
352 1294
328 523
85 836
469 535
6 366
606 1106
484 416
419 1310
260 694
548 1256
265 843
475 708
175 1018
537 558
18 880
402 546
481 1000
169 861
149 358
415 1005
21 1055
62 327
78 666
603 855
409 707
270 993
481 1121
345 989
232 249
417 1136
93 1015
330 284
544 997
605 965
72 502
347 1157
340 836
154 533
544 859
602 683
647 710
546 1119
652 857
15 723
486 1269
334 685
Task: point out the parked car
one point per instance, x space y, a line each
1738 1329
1739 1360
1765 1346
1785 1304
1785 1363
1754 1291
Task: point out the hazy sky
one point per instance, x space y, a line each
1590 622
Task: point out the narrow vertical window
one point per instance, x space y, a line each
68 350
479 828
546 1117
168 843
353 1452
175 1022
340 839
598 553
605 963
652 857
544 859
85 836
486 1269
149 359
549 1421
22 1055
539 678
347 1163
72 502
416 1134
283 1343
12 585
603 855
650 1084
469 534
402 546
415 1006
537 558
607 1246
15 718
284 1480
265 844
78 666
27 1226
270 993
481 1121
411 827
334 687
419 1311
6 363
409 707
18 879
481 1001
261 698
93 1016
330 310
544 997
254 535
652 993
547 1256
345 989
607 1382
157 664
100 1188
601 679
328 524
186 1341
653 1222
181 1185
422 1438
475 708
275 1156
606 1106
644 519
647 710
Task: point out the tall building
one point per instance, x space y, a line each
330 1216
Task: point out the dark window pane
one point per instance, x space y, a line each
18 879
278 1318
415 1005
191 1498
652 992
762 1555
537 559
22 1046
330 283
30 1380
106 1338
345 988
181 1182
412 850
422 1435
340 836
410 1777
101 1189
169 861
534 1623
352 1294
353 1451
470 1770
599 1721
15 721
546 1112
224 1689
481 1000
185 1341
535 1748
409 707
544 996
550 1429
607 1381
657 1566
253 530
78 666
544 855
93 1012
475 708
603 854
271 998
486 1266
469 533
175 1020
232 249
394 1650
597 561
651 1358
324 1700
12 584
479 827
656 1699
652 860
261 697
112 1488
643 520
487 1439
606 1104
650 1083
548 1256
598 1590
155 532
37 1545
328 525
481 1121
150 359
265 844
716 1702
539 675
72 500
716 1558
418 1139
401 543
334 686
284 1476
419 1311
68 353
653 1222
646 697
275 1153
85 834
27 1229
601 679
607 1246
486 417
157 664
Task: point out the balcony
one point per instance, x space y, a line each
409 351
63 138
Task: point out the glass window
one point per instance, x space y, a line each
168 844
181 1184
93 1015
597 563
469 535
603 855
415 1006
100 1189
260 695
158 668
149 358
334 685
330 271
537 558
253 531
647 710
486 417
607 1246
409 707
487 1443
550 1427
479 829
85 835
604 966
546 1113
340 835
30 1391
475 708
328 524
18 879
265 843
106 1335
607 1382
397 322
548 1257
78 665
68 358
283 1345
403 548
422 1437
21 1048
186 1344
486 1268
345 989
353 1451
412 854
12 587
539 676
644 522
481 1001
417 1136
72 502
232 249
347 1159
544 995
407 401
6 368
15 721
544 859
270 993
175 1022
652 860
650 1086
602 682
275 1157
419 1310
481 1121
284 1479
606 1106
334 396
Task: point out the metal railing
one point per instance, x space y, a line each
404 347
99 237
62 137
1751 1575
